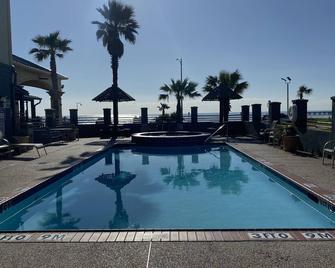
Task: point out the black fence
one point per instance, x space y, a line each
202 118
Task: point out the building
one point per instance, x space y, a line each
16 72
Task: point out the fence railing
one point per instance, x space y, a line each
202 118
212 118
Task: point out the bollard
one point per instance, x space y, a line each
107 116
256 113
274 111
300 119
194 114
245 114
74 117
50 118
144 116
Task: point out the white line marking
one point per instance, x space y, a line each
149 252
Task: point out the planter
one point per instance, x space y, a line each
290 143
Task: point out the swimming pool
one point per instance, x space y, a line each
203 187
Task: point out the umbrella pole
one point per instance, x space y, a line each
221 111
115 117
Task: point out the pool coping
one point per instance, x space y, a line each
325 198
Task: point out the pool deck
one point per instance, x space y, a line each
212 249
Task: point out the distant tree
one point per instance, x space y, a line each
303 90
118 22
51 46
163 107
232 80
179 89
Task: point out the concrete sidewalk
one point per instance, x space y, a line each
27 169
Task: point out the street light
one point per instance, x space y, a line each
181 68
287 81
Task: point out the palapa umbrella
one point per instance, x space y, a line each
223 94
114 94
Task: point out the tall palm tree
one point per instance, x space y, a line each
304 90
162 107
180 89
118 22
233 81
52 46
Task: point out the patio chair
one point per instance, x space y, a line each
329 149
5 148
37 146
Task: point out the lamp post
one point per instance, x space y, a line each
287 81
181 80
181 68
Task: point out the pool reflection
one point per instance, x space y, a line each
116 181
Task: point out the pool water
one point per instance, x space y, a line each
168 188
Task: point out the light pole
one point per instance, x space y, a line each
181 80
287 82
181 68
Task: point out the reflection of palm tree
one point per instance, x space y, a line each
60 220
229 181
181 178
116 181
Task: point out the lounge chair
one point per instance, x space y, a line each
9 146
329 149
5 149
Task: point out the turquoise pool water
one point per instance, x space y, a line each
168 188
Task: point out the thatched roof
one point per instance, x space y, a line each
113 93
221 92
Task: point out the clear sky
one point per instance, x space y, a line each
264 39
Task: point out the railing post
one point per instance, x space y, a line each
107 117
50 118
194 114
74 117
333 116
256 113
301 116
245 114
144 116
274 111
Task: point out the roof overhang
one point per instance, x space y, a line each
33 67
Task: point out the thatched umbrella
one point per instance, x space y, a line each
116 95
223 94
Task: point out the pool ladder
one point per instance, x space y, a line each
217 130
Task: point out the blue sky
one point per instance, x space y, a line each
264 39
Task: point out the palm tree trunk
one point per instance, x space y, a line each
115 66
54 94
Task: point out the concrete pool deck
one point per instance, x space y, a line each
25 171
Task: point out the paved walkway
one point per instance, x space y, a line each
18 174
309 168
27 169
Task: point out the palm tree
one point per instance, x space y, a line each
233 81
163 107
118 22
304 90
180 89
52 46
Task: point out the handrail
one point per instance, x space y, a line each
216 131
